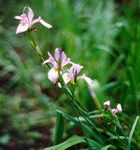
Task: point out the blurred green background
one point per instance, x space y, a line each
101 35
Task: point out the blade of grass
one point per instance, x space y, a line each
107 147
85 127
132 132
59 128
68 143
73 141
130 73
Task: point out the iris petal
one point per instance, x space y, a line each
22 28
47 25
53 75
30 15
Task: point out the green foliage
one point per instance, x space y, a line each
68 143
59 129
132 131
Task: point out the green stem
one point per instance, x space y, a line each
119 126
133 87
95 99
81 111
132 132
34 45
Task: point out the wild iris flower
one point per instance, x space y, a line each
107 104
59 61
118 108
71 74
115 110
26 21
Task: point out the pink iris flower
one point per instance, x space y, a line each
72 75
59 61
26 21
107 104
115 110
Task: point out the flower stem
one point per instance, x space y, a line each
34 45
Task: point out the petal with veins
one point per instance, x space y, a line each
52 61
61 57
58 54
18 17
53 75
75 69
45 24
36 21
89 81
65 60
66 78
22 28
46 61
30 14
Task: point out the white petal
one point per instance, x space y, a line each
22 28
45 24
107 103
18 17
88 80
46 61
30 14
36 21
92 92
119 108
53 75
59 85
66 78
114 111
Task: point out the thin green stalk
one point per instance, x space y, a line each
85 117
72 96
119 126
59 128
34 45
95 99
133 86
132 132
81 112
78 118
